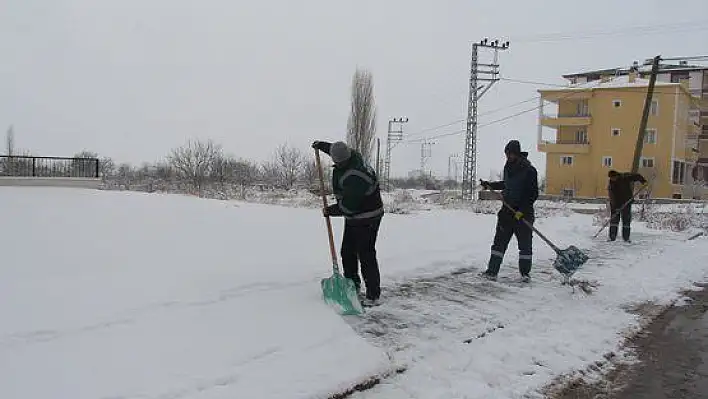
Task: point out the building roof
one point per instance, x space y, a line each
613 83
642 68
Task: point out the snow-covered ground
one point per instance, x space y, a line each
119 294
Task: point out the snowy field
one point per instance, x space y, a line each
109 294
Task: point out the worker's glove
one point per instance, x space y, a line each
485 184
318 145
518 215
332 210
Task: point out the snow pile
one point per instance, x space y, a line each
124 294
679 219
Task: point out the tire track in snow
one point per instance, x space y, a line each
131 316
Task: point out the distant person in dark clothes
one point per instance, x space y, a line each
520 191
356 187
619 190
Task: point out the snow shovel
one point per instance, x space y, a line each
568 261
642 188
337 291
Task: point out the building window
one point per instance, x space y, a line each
678 173
654 109
568 192
650 136
617 103
616 132
581 137
607 162
567 160
647 162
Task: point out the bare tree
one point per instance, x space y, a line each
245 174
107 166
310 175
8 164
270 173
220 172
361 125
164 171
195 161
289 161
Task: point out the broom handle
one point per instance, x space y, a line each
332 251
501 197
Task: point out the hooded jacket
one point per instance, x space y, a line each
520 185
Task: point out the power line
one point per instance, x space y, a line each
530 82
500 120
625 31
485 113
494 122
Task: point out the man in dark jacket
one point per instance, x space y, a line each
520 191
619 190
356 187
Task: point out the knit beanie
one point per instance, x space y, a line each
339 152
513 147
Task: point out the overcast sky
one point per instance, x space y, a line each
131 79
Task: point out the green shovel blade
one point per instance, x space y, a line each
569 260
340 293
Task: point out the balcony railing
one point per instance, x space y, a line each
28 166
571 142
568 115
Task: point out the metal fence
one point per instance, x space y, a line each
28 166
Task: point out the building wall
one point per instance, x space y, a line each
627 118
588 175
575 177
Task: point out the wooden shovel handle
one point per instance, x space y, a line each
332 250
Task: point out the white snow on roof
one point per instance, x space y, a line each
613 83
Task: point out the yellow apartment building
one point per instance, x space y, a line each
595 129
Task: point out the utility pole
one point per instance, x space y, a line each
425 154
645 114
394 136
482 78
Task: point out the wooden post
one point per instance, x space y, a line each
645 115
378 159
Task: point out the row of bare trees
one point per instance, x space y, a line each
201 165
